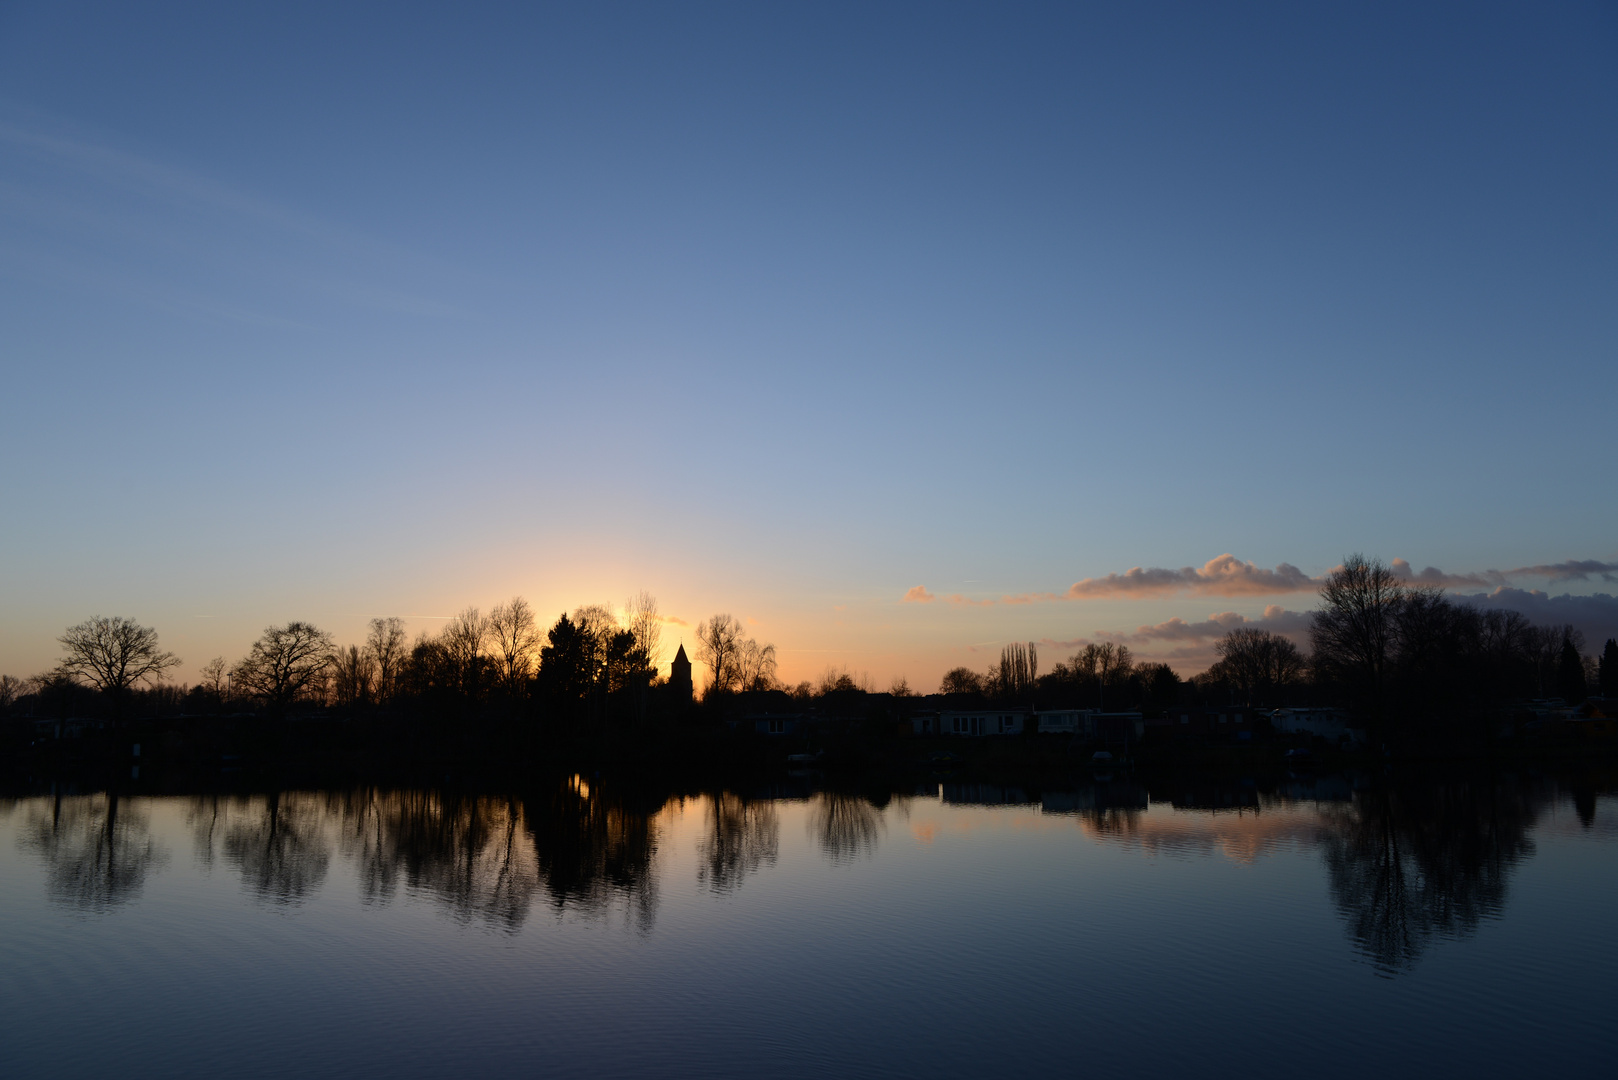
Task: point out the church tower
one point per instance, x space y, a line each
680 679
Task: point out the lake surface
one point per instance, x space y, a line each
1325 926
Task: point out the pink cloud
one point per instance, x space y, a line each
918 594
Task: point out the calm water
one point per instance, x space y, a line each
1117 929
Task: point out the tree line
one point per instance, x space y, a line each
1401 657
591 667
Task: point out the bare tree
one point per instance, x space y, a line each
114 655
1113 665
387 647
840 680
463 641
642 620
1257 663
353 674
1354 634
755 666
719 643
213 676
515 638
900 687
11 688
284 662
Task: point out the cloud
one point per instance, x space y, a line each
670 620
1224 576
1555 573
1230 577
1275 619
918 594
1570 570
1433 576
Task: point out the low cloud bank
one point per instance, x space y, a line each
1294 624
1230 577
1224 576
1595 615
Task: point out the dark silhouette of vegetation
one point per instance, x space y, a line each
1258 664
1409 666
113 655
285 662
961 680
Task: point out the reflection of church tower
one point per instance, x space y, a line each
680 678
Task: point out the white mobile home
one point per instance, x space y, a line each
981 722
1064 722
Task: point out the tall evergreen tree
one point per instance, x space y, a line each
1570 672
1609 669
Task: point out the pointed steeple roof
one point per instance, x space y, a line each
679 655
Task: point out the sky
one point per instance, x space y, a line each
329 312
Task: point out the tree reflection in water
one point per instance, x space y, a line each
280 846
595 850
99 849
472 854
847 826
742 835
1408 863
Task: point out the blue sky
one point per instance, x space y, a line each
331 311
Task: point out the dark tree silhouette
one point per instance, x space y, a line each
1355 632
642 620
284 663
1258 663
719 646
1609 669
113 655
515 637
961 680
464 640
1570 671
353 676
1018 671
566 663
385 644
